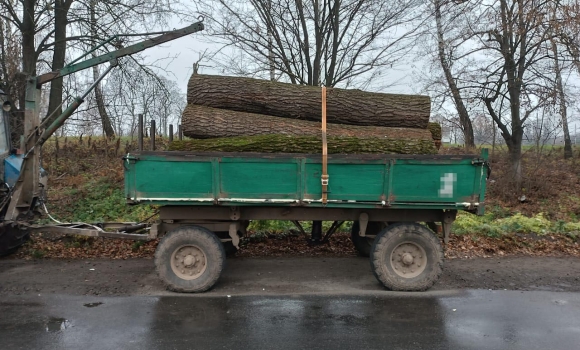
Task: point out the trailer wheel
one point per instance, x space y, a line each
363 244
11 237
229 247
407 257
189 259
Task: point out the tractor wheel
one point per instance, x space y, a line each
11 237
407 257
190 259
363 244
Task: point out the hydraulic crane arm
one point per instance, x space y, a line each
111 57
25 195
127 51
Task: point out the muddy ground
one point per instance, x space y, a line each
282 275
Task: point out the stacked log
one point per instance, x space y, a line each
232 114
205 122
307 144
352 107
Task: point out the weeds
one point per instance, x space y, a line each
491 226
37 253
86 184
136 245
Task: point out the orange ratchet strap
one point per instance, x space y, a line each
324 177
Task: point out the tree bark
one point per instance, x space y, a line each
306 144
61 9
28 31
354 107
105 120
562 99
207 122
464 119
29 57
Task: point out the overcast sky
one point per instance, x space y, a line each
186 51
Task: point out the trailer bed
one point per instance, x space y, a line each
260 179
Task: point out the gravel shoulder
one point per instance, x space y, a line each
294 275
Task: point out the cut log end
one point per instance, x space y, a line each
435 129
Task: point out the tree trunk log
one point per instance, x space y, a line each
206 122
306 144
354 107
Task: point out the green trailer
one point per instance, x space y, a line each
207 200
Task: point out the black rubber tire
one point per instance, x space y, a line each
207 241
229 249
228 245
389 239
363 244
11 238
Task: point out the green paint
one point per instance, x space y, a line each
402 182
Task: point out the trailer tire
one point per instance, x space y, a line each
11 238
229 247
363 244
190 259
407 257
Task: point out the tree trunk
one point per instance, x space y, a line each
29 57
105 120
60 23
515 155
28 31
354 107
562 98
207 122
464 119
306 144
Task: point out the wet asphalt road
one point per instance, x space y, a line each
477 319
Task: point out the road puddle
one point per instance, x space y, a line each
92 304
55 324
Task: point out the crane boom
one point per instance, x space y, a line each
127 51
25 195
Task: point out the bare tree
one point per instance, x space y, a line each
91 22
543 129
32 21
105 120
446 59
483 129
10 59
135 89
569 28
510 79
561 98
313 42
61 9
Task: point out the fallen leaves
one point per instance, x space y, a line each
460 247
471 246
67 247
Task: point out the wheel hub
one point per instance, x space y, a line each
408 260
188 262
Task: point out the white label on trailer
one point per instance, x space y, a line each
448 181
